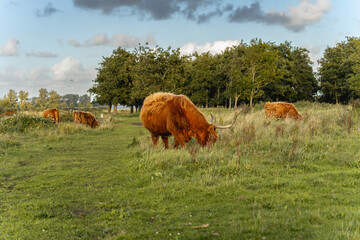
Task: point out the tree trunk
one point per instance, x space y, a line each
109 108
115 108
218 97
207 100
131 109
230 102
336 98
251 102
236 100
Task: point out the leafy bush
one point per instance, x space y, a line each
20 122
66 116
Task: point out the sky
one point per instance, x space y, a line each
58 44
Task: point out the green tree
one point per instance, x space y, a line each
148 73
23 98
173 68
64 105
157 69
54 99
42 101
203 78
354 63
113 83
84 99
295 78
12 98
71 98
259 68
333 75
237 84
80 105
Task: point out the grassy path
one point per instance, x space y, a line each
66 187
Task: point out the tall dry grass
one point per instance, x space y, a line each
254 139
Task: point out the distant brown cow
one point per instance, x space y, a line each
52 113
8 113
166 114
281 110
85 118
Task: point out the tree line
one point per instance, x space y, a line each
245 73
46 99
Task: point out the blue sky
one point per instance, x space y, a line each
57 45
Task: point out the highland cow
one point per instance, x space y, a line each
85 118
166 114
281 110
52 114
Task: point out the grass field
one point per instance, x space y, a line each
263 179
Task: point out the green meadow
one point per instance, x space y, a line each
262 179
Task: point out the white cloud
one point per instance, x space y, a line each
41 54
315 53
117 40
214 48
67 76
74 43
71 69
296 18
307 13
10 48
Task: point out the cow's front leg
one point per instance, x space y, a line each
155 138
165 141
178 141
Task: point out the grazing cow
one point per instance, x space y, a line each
166 114
85 118
52 113
281 110
7 113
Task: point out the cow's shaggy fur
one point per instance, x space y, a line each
281 110
52 113
85 118
166 114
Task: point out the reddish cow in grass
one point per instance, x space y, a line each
281 110
166 114
52 113
85 118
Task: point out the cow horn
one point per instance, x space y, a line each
212 118
227 126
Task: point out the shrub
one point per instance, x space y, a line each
66 116
20 122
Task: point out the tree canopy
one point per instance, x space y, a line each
258 71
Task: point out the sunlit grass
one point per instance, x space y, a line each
262 179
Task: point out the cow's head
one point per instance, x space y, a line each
210 135
207 136
95 124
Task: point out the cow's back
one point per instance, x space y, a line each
155 111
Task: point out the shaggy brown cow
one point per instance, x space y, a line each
85 118
166 114
281 110
52 113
